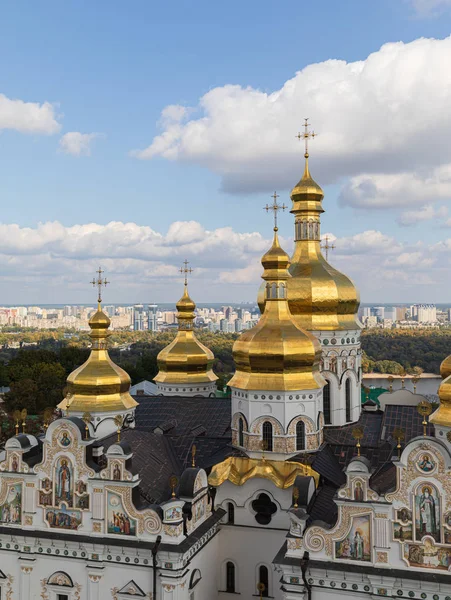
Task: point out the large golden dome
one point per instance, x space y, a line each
98 385
276 354
185 360
320 297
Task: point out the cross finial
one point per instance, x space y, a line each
306 136
185 270
326 246
99 281
274 207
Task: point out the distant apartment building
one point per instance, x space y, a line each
424 313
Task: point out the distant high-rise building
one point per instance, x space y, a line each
366 311
379 312
152 317
224 325
238 325
139 318
426 313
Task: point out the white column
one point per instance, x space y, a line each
24 586
94 582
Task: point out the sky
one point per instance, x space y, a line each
138 135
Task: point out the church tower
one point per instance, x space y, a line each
185 365
99 388
324 301
277 399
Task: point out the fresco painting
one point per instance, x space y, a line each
64 482
357 544
118 520
402 532
428 556
62 518
427 512
11 509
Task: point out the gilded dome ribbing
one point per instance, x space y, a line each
442 416
185 360
99 385
320 297
276 354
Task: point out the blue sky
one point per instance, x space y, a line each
111 68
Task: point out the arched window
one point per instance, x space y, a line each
348 399
282 290
195 578
326 403
263 577
274 290
231 513
300 435
230 577
240 432
267 435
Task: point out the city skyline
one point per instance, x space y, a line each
94 152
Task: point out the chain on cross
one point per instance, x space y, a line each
184 270
100 282
274 207
326 246
306 136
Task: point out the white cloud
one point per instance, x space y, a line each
430 8
28 117
77 144
382 133
54 263
426 213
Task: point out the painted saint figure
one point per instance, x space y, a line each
426 464
428 524
65 440
64 483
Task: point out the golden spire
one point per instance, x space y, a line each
185 360
276 354
98 385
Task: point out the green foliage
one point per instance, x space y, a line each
415 350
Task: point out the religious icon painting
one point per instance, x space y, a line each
427 512
46 484
11 509
64 482
80 487
117 475
357 544
402 532
45 499
404 515
447 519
447 537
65 440
118 520
426 463
82 502
63 518
428 556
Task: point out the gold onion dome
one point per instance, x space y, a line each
276 354
185 360
99 385
445 367
320 297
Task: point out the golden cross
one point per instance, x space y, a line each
99 282
326 246
275 207
306 136
185 270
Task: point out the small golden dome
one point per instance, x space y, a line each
185 360
276 354
320 297
442 416
445 367
98 385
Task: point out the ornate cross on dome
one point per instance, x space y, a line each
275 207
326 246
99 282
306 136
185 270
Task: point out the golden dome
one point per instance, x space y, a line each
98 385
185 360
442 416
320 297
276 354
445 367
